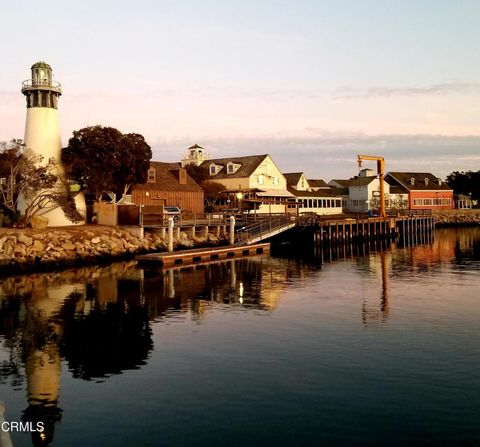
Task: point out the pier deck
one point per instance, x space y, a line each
197 255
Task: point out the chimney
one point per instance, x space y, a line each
181 175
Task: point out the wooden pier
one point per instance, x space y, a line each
405 228
199 255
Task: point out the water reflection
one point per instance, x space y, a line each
98 321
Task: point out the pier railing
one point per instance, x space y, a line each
264 228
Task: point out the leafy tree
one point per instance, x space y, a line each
133 155
37 183
212 192
198 173
467 183
102 159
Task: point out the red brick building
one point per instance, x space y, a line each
169 184
425 191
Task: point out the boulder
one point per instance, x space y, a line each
39 222
24 239
37 246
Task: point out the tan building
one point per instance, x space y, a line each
256 177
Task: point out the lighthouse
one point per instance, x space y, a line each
42 130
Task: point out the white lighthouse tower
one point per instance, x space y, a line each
42 130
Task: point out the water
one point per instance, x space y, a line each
282 350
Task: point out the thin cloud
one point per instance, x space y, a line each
447 88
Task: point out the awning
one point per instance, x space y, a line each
275 193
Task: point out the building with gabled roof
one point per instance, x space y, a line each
316 184
297 181
320 201
257 177
169 184
424 190
340 183
364 194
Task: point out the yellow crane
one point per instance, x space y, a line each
381 173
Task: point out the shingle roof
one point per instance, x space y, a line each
293 178
403 179
397 189
340 191
362 181
248 166
318 183
165 179
345 183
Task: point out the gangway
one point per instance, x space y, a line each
264 228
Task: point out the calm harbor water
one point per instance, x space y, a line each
376 347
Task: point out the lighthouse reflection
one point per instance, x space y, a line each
97 321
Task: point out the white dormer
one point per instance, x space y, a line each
151 175
412 181
232 167
214 169
439 182
426 181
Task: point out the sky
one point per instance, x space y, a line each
311 82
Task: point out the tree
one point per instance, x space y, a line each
38 184
102 159
198 173
467 183
212 192
133 155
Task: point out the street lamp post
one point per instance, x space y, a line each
239 196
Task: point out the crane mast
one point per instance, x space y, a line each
381 173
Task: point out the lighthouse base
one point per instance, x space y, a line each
55 215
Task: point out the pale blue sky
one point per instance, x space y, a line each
310 82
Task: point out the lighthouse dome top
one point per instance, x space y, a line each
41 64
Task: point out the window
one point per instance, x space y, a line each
426 181
213 169
412 181
261 179
3 181
230 168
192 153
442 201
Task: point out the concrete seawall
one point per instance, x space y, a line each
29 249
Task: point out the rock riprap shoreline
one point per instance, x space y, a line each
457 217
83 245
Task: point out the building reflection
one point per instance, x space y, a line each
98 320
